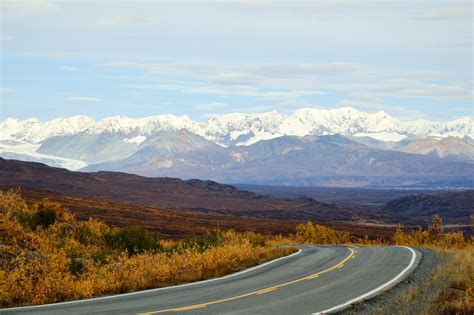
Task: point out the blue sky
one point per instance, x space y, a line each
411 59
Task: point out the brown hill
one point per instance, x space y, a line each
175 194
453 207
160 222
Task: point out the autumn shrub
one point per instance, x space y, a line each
46 255
432 236
319 234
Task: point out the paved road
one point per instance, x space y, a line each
317 279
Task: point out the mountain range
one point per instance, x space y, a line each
340 147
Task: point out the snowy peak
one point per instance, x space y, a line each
243 129
32 130
345 120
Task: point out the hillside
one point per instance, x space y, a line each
174 194
163 204
164 223
360 197
450 147
451 206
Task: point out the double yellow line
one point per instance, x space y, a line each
258 292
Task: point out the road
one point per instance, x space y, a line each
316 279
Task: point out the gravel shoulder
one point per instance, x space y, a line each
408 296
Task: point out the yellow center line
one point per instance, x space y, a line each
266 290
258 292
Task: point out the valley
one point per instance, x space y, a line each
176 208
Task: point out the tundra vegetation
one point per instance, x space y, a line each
46 256
450 287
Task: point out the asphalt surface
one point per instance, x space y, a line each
316 279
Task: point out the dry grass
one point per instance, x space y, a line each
447 290
456 272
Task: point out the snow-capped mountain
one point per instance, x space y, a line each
78 141
32 130
243 129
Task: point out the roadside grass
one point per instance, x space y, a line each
456 275
449 289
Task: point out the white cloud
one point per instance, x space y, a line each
449 12
249 91
28 7
402 88
294 81
210 106
237 79
6 90
6 38
68 68
125 21
240 75
84 99
156 69
297 69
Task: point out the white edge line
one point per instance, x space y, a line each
152 290
376 290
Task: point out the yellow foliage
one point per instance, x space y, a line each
319 234
433 236
48 256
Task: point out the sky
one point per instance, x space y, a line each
412 59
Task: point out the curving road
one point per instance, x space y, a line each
317 279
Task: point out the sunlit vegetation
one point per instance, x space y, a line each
452 280
454 276
46 255
319 234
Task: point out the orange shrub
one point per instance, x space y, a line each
48 256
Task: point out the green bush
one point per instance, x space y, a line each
200 244
86 236
43 217
75 264
132 239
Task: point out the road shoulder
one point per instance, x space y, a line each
389 301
